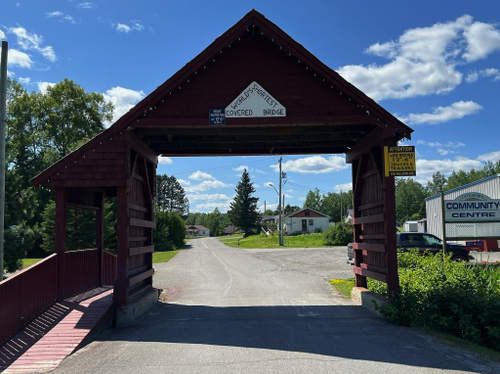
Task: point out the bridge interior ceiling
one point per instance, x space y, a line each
233 140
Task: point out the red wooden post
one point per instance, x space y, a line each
122 228
390 238
359 280
99 238
60 239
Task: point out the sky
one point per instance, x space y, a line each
434 65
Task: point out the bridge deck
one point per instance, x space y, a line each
57 332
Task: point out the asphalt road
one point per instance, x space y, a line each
234 310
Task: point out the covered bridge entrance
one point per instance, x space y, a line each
253 91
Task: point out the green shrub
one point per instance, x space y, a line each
453 297
339 234
169 232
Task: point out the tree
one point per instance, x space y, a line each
437 185
170 196
40 129
243 211
313 200
169 232
410 200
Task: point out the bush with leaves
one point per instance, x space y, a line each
169 232
453 297
339 234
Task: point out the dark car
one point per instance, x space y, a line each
425 243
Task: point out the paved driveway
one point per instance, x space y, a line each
234 310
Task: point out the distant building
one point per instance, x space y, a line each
196 230
306 220
473 211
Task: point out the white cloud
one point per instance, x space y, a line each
441 114
442 148
164 160
18 58
85 5
206 185
133 25
241 168
121 27
32 42
2 35
491 156
482 39
423 61
344 187
42 86
208 197
313 164
200 175
209 207
425 168
123 99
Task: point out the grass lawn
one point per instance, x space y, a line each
164 256
343 286
29 261
157 257
264 241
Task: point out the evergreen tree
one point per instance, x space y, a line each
170 196
243 209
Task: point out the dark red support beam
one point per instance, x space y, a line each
60 239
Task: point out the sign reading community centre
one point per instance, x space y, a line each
472 207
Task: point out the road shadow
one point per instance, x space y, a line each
340 331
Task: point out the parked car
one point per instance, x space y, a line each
425 243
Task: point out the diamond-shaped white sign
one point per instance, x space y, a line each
255 101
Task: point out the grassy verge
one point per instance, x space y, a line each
157 257
264 241
29 261
164 256
343 286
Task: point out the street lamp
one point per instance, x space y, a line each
280 228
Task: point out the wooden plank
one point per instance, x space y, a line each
369 273
372 237
140 250
137 238
370 247
137 208
141 223
377 269
141 147
370 206
140 277
369 219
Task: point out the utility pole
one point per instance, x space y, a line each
280 231
3 109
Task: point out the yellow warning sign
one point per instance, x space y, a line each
400 161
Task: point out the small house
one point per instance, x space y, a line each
306 220
196 230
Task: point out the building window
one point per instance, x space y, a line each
311 222
306 213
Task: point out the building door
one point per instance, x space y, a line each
304 225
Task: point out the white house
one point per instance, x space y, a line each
306 220
197 230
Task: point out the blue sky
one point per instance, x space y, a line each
435 65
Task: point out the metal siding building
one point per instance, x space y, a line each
489 186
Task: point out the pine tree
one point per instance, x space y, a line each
243 209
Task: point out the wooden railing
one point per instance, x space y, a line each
26 294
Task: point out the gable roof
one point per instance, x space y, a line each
298 212
324 112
